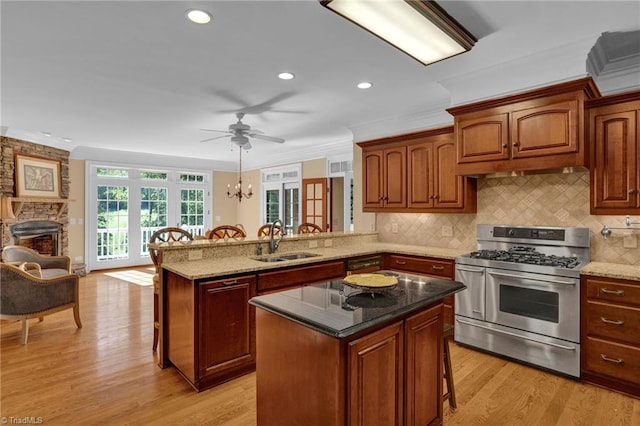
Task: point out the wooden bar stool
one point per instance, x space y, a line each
451 392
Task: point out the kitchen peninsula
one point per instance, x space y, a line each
334 354
207 327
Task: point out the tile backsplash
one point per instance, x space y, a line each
560 199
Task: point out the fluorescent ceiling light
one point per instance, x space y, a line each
198 16
286 76
420 28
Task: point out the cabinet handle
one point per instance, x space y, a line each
616 292
614 360
437 268
614 322
232 282
632 191
504 145
381 199
400 262
515 143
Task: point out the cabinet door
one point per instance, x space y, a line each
545 130
423 352
449 188
420 174
395 177
372 179
226 323
614 173
375 378
482 138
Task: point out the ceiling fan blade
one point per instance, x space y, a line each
219 131
214 138
266 138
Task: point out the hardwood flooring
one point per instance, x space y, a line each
106 373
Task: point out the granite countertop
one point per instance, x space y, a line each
211 268
612 270
338 310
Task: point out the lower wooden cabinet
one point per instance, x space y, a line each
226 326
375 364
210 328
388 376
610 354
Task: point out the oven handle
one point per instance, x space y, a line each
568 348
545 280
469 269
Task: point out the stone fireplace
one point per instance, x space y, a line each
40 225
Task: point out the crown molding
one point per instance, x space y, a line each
147 159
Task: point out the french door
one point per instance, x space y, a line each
282 201
130 204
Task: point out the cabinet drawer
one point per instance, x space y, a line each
617 291
434 267
304 275
613 322
612 359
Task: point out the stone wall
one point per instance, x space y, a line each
32 211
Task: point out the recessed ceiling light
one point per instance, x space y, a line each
364 85
198 16
67 139
286 76
46 133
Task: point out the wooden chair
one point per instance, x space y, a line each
25 295
448 375
163 235
227 231
265 230
50 266
309 228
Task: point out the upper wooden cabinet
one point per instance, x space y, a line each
615 164
534 130
414 173
384 178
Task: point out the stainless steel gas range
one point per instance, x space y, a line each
523 294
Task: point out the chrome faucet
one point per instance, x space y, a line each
273 244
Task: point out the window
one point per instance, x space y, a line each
281 195
131 203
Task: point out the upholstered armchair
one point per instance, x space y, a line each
24 296
50 266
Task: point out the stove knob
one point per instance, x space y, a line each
511 232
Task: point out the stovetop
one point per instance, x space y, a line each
528 255
544 250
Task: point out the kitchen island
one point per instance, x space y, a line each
334 354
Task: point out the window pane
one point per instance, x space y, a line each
153 214
104 171
192 210
153 175
113 227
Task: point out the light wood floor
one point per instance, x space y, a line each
106 373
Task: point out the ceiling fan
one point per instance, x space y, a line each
240 134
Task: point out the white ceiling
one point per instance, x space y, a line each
139 80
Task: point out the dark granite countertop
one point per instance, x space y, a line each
336 309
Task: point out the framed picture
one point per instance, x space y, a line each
37 177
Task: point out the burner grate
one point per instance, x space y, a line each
527 255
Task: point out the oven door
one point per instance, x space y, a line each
537 303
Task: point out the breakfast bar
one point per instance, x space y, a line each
338 353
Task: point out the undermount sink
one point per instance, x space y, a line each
285 256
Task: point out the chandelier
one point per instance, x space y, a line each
238 188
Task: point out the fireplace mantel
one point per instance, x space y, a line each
10 207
